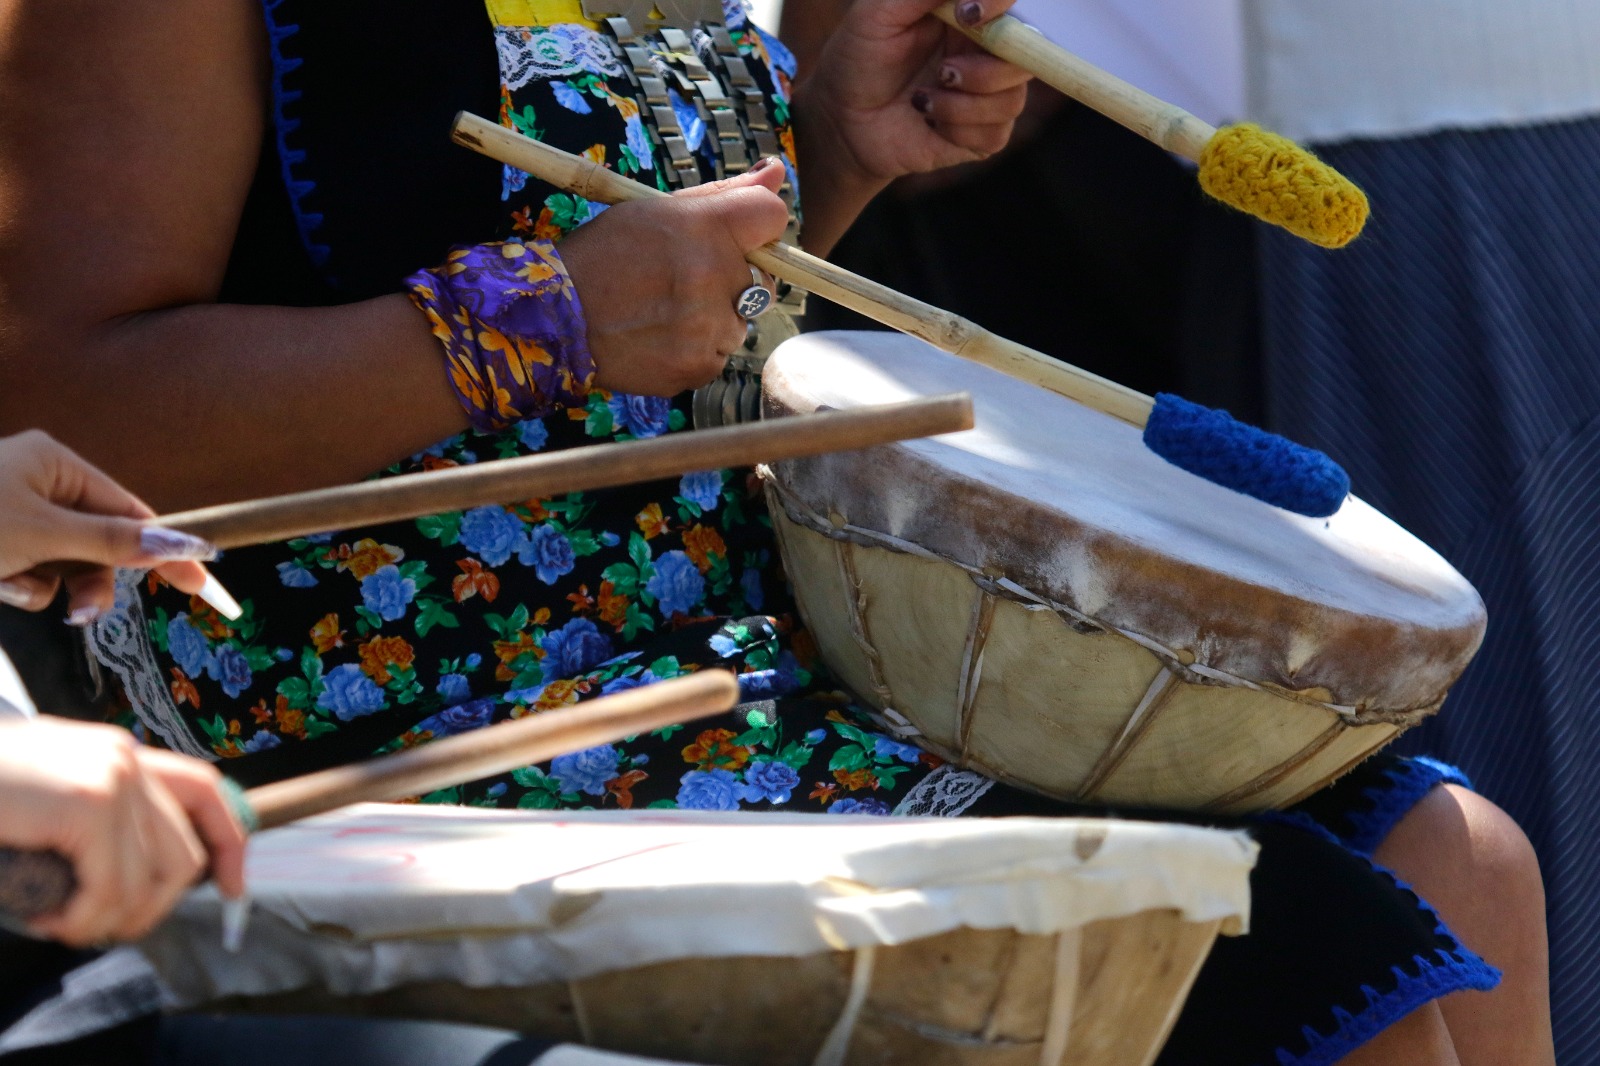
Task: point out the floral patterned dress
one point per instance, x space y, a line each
359 642
393 636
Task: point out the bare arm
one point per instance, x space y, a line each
128 141
127 145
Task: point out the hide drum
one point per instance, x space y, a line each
728 938
1045 600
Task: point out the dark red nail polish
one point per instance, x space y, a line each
950 77
763 163
969 13
921 101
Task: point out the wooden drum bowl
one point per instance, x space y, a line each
1046 601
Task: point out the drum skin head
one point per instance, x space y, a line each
1061 507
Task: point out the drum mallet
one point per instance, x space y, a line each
598 466
35 883
1208 443
1244 166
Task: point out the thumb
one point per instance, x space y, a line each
768 173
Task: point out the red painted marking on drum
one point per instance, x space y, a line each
617 858
330 865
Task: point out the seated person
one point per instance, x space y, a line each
255 320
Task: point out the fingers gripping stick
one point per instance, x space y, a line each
1215 447
33 883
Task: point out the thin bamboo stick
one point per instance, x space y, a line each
943 330
232 525
495 750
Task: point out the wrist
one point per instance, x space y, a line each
836 185
513 330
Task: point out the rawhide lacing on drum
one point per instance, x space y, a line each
1179 661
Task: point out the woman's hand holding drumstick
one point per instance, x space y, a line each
37 884
1209 444
1246 167
942 329
93 825
65 523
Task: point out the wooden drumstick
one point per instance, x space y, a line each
1209 444
574 470
1244 166
940 328
34 883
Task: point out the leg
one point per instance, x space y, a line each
1470 860
1419 1039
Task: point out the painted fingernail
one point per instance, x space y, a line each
969 13
14 595
219 598
83 616
950 77
921 101
763 163
171 545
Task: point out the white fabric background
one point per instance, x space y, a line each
1329 70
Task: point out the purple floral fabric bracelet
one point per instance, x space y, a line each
516 344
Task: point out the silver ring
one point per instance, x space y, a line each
756 300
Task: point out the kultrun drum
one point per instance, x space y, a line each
732 939
1045 600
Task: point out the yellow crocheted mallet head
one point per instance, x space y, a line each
1246 167
1276 180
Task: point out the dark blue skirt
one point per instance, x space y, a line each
1450 359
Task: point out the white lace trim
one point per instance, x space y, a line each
543 52
121 641
946 793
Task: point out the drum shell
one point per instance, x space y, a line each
1048 602
1052 703
964 998
729 937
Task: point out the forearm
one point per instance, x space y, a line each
835 190
206 403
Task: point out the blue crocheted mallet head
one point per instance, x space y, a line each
1214 445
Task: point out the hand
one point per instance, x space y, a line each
139 826
898 92
658 280
56 507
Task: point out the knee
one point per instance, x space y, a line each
1461 850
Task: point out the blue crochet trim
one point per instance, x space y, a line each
1409 781
1453 969
306 221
